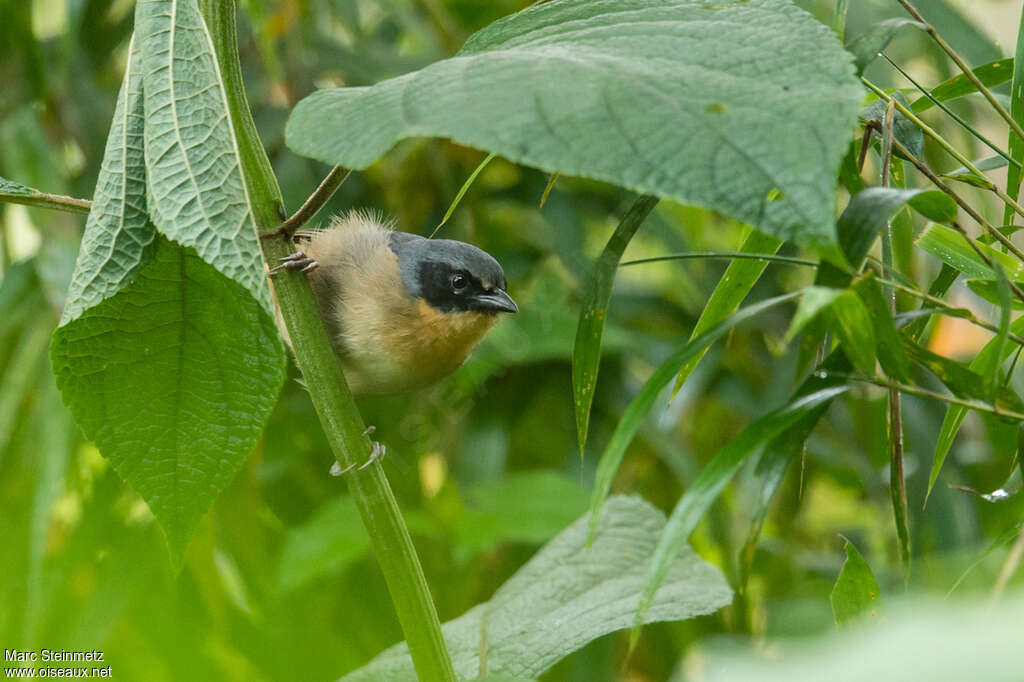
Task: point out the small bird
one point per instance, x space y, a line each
402 311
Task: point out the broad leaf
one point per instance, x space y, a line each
171 379
197 194
903 129
586 354
856 592
639 93
567 595
118 238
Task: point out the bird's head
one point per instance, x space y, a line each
451 276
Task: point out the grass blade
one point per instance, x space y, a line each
644 400
586 353
1013 175
712 480
991 74
462 192
736 283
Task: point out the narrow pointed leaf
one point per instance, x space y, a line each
639 93
1014 173
984 362
637 411
991 74
889 345
586 354
855 331
712 480
740 277
952 248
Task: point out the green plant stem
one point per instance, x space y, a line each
897 479
320 196
976 405
967 71
723 255
57 202
952 114
962 313
342 423
951 150
1000 237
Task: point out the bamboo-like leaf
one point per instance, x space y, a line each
462 191
855 330
586 354
712 480
889 346
992 74
737 281
856 593
1014 173
984 362
644 400
962 380
813 300
952 248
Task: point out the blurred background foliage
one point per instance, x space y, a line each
278 585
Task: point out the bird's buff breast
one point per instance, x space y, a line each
428 345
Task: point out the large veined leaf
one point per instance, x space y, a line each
197 193
167 355
567 595
169 378
743 107
118 237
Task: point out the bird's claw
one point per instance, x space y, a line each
376 452
296 261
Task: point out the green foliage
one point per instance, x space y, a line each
648 85
569 593
856 593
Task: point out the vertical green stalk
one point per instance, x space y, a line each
328 390
897 481
1014 173
839 20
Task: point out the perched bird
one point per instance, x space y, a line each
402 311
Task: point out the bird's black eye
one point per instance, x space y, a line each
459 282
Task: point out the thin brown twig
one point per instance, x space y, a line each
313 204
1003 239
967 71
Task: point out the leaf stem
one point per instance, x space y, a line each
909 389
952 114
57 202
320 196
724 255
342 423
967 71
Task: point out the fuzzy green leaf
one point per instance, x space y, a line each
197 195
173 379
635 92
567 595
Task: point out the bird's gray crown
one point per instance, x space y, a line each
427 267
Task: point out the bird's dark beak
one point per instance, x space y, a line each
495 301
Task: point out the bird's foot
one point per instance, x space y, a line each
296 261
377 451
